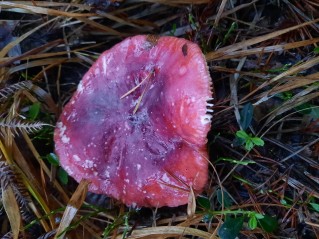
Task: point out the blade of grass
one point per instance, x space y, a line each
220 12
266 49
293 70
240 45
41 63
42 10
106 29
8 47
34 51
288 105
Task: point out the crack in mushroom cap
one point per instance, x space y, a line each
147 148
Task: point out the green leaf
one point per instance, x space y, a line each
62 176
224 195
242 180
233 26
304 108
244 162
257 141
242 134
285 95
315 206
249 145
259 216
316 50
268 223
238 141
34 111
172 32
246 116
283 202
252 223
203 202
53 159
280 69
314 113
231 227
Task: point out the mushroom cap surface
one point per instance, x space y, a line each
137 125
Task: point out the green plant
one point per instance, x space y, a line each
119 221
235 219
230 31
283 68
192 22
61 173
249 140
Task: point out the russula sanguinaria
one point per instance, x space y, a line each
137 124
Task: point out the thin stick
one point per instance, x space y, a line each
141 96
138 85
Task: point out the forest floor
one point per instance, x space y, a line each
263 145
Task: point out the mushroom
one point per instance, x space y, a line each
137 125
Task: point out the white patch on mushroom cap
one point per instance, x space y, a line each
165 178
76 158
80 88
107 174
62 135
65 139
68 170
138 166
93 187
61 127
182 70
104 60
88 163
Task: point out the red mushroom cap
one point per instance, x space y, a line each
136 127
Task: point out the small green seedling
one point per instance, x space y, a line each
61 173
249 140
253 219
173 30
230 31
191 20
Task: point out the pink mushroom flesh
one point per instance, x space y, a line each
147 148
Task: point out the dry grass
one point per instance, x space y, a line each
263 58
